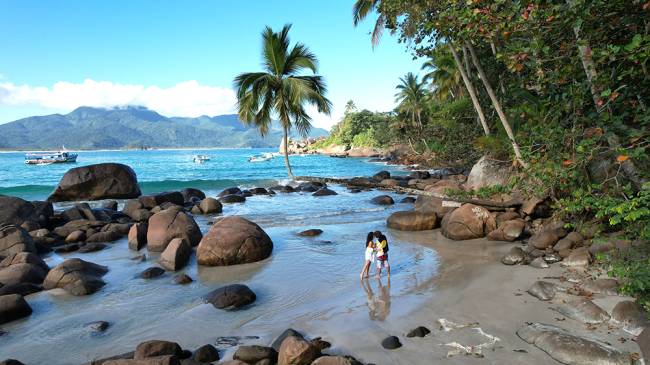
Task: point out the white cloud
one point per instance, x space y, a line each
186 99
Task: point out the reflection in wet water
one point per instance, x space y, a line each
378 301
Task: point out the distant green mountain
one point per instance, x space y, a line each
133 127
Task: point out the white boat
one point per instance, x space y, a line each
201 158
261 158
48 158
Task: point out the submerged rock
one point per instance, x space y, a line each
13 307
231 296
95 182
228 199
324 192
76 276
571 349
311 232
232 241
182 279
382 200
152 272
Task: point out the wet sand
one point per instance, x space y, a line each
472 286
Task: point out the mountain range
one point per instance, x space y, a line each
134 127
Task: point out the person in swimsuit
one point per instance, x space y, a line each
369 254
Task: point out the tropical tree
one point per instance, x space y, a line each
361 9
442 74
411 97
281 90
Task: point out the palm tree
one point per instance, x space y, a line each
411 96
360 11
281 90
443 74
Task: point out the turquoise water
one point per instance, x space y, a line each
164 170
307 281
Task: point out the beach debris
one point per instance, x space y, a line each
460 349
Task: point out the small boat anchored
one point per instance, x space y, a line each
48 158
261 158
201 158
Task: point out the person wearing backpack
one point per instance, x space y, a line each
381 244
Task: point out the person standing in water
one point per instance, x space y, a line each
369 255
381 247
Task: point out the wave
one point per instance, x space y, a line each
36 192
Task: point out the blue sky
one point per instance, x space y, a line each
179 58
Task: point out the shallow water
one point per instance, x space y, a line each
306 280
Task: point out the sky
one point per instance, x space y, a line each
180 58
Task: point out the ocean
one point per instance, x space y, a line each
308 283
166 170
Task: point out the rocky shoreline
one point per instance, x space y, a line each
164 223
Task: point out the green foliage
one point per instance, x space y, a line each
573 80
485 192
634 268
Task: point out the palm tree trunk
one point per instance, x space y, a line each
286 151
587 64
470 90
496 104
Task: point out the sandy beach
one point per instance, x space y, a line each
472 286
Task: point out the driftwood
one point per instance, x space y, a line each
369 183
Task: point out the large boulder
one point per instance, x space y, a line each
508 231
432 204
382 200
190 194
210 206
22 273
297 351
14 239
150 201
158 360
155 348
583 310
467 222
231 296
255 353
571 349
631 315
12 307
17 211
486 173
138 236
412 221
95 182
76 276
232 241
176 255
169 224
